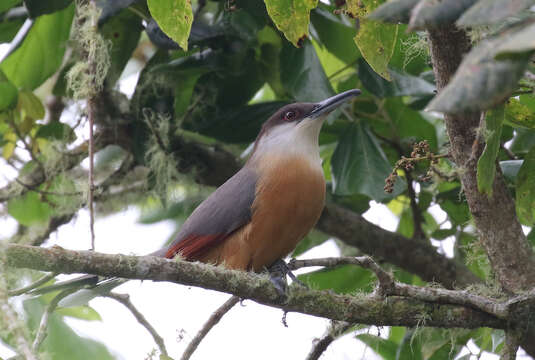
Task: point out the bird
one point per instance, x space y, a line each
257 217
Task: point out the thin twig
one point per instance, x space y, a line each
27 146
41 332
91 114
511 155
417 217
212 321
125 300
389 287
33 285
335 330
45 192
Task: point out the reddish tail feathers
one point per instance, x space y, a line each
193 246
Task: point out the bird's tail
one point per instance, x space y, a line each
91 286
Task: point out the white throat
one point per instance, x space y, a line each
300 139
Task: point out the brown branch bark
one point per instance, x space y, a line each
500 232
412 255
335 330
372 309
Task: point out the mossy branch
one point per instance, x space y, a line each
371 309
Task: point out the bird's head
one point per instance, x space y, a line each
295 127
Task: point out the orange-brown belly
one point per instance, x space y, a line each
289 199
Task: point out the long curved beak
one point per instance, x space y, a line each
332 103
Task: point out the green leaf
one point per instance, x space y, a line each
80 312
41 52
510 168
174 17
375 40
486 165
525 190
518 114
31 105
410 347
29 209
481 81
302 74
291 17
401 85
343 279
39 7
61 341
56 131
522 41
7 4
240 125
9 28
387 349
431 13
8 93
442 234
486 12
335 35
394 11
360 166
123 32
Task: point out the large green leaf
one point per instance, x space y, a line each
123 32
401 85
525 190
7 4
343 279
518 114
291 17
387 349
375 40
360 166
41 52
240 125
433 13
522 41
174 17
481 81
62 342
394 11
8 93
39 7
486 165
9 28
29 209
302 74
336 35
486 12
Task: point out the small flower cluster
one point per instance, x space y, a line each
420 151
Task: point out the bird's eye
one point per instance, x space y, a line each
289 115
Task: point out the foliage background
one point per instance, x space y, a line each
206 87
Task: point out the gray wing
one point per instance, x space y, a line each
226 210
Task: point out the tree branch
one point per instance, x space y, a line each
411 255
335 330
212 321
500 232
396 311
125 300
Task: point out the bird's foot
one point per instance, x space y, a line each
277 274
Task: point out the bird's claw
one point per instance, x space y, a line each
277 274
